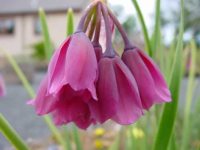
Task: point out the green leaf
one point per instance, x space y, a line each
70 22
67 138
144 28
168 117
47 42
189 96
11 135
77 138
156 34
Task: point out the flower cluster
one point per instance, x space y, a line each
86 84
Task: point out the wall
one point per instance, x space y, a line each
24 35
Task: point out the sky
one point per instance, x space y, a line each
147 8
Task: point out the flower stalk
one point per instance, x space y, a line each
11 135
109 48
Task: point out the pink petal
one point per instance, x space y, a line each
43 102
81 64
143 76
129 108
56 71
162 89
73 110
105 107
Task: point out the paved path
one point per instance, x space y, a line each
23 117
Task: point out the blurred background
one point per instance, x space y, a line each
21 36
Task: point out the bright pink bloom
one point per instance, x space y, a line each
152 86
117 92
2 87
69 83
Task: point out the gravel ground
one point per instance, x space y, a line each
23 117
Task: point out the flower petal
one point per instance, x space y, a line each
81 64
44 103
129 108
56 67
72 110
105 107
144 78
162 89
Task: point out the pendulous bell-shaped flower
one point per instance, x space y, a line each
118 95
69 83
88 82
2 87
152 86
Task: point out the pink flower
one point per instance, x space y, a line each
152 86
118 94
69 83
2 87
88 83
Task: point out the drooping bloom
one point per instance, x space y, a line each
69 83
118 95
152 86
2 87
88 82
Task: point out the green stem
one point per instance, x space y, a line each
70 22
77 138
144 28
11 135
47 41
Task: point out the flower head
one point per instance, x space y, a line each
87 84
118 95
69 83
152 86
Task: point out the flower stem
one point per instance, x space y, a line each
11 134
127 43
109 48
92 25
87 21
81 24
98 26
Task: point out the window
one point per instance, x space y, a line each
37 27
7 26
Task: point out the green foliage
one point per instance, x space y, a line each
144 28
189 96
47 42
70 22
39 50
168 118
8 131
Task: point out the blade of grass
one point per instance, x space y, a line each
144 28
12 136
186 120
156 34
67 138
31 93
47 42
168 117
70 22
77 138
